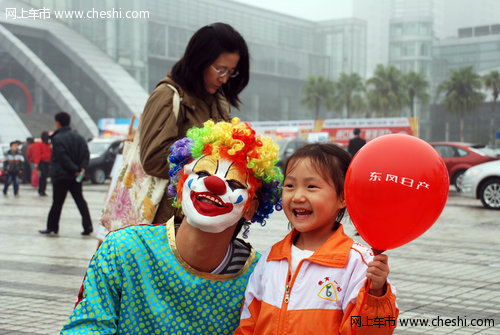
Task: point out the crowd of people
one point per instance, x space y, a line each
62 155
23 160
189 272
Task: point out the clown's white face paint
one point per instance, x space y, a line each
214 194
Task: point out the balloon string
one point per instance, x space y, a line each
367 288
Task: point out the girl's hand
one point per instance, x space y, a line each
377 271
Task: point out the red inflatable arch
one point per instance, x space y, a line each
27 94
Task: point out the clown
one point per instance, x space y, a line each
190 277
216 172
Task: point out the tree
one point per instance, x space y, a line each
492 82
317 91
359 105
348 89
416 87
462 93
385 90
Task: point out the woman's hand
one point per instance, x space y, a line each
377 271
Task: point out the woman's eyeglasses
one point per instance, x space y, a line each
223 73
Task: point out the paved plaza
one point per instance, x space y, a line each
449 277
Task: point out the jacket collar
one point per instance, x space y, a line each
334 252
60 130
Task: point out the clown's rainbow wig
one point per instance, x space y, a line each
236 142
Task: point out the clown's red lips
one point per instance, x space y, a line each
209 204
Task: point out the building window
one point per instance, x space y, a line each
482 31
177 41
156 39
396 50
409 49
425 49
410 29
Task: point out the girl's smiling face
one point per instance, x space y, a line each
310 202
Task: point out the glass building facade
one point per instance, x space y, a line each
474 46
410 47
284 50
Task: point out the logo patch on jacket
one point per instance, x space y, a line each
328 290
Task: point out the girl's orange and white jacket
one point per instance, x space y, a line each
323 297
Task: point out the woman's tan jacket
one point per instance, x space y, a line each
159 129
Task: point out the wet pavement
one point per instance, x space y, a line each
449 277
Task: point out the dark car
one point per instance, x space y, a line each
103 152
287 148
459 156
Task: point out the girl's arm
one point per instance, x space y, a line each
252 302
374 310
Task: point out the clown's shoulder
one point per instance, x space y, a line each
130 233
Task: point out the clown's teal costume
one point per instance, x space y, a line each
138 281
138 284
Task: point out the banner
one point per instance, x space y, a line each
115 126
340 131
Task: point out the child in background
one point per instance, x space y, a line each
13 165
314 280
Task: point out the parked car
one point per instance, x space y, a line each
287 148
483 182
103 152
459 156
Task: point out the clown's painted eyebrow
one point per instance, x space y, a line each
207 164
233 174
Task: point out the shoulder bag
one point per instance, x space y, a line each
136 195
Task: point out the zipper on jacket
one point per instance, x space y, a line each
286 299
284 305
287 293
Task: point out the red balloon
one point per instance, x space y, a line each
396 188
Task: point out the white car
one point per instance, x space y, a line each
483 182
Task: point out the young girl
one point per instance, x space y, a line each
315 280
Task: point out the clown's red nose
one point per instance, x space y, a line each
215 185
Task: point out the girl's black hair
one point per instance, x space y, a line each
329 160
204 47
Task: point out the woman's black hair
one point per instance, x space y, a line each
329 160
45 137
204 47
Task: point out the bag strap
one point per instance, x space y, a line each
175 108
176 102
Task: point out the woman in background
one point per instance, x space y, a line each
41 158
208 79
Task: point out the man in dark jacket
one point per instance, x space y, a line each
356 142
70 158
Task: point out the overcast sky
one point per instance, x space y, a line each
316 10
454 13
